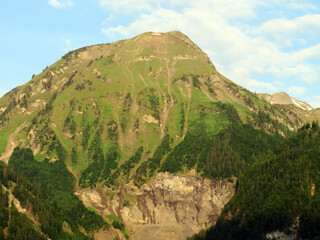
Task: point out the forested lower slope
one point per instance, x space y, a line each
45 191
13 224
279 193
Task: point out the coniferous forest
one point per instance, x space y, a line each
280 192
46 191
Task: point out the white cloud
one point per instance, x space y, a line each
285 31
229 9
67 42
257 86
68 45
315 101
307 53
239 50
108 20
304 72
127 5
60 3
315 104
302 6
295 90
2 92
161 20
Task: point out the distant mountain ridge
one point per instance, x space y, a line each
283 98
300 111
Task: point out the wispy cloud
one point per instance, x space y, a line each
303 6
295 90
108 20
67 45
286 31
315 101
127 5
60 3
2 92
229 9
67 42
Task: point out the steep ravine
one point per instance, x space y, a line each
168 207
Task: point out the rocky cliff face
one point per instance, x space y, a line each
168 207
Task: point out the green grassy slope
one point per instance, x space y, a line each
98 105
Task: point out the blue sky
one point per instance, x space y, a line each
265 46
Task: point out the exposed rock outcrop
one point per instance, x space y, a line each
168 207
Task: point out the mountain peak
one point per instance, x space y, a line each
173 44
120 113
283 98
148 46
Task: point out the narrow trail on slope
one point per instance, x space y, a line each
145 84
118 115
169 76
11 144
208 95
168 102
164 115
188 86
131 78
169 83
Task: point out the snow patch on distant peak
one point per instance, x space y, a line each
299 105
